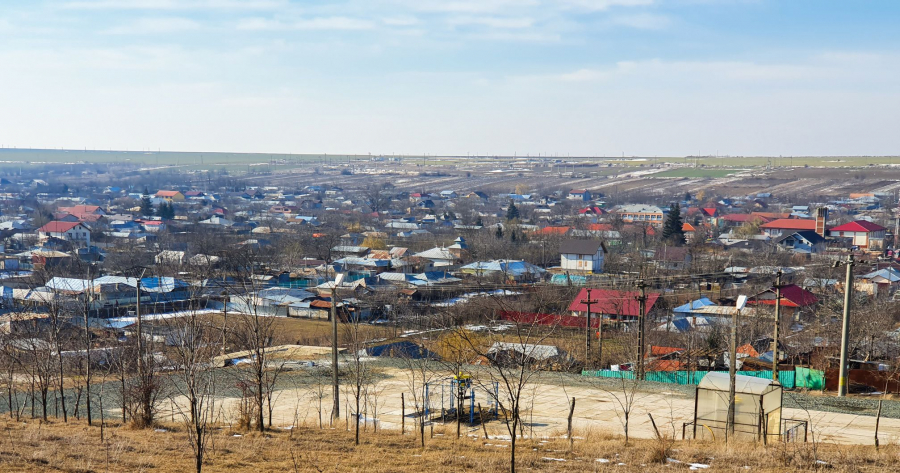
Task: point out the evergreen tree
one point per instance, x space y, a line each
146 206
166 211
499 232
512 237
479 222
512 212
672 228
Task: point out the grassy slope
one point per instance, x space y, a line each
75 447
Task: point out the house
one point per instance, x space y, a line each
612 305
583 195
864 234
780 226
883 281
639 213
538 357
676 258
440 257
582 255
690 232
692 308
83 213
803 241
793 298
737 220
170 196
449 194
554 231
515 270
73 232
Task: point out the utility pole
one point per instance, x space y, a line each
845 327
642 303
140 336
777 323
336 409
732 366
587 328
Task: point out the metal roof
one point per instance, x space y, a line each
716 381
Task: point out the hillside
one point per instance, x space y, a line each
75 447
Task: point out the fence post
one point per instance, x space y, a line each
569 430
877 422
402 414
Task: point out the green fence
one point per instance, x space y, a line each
799 377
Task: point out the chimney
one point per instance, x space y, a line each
821 219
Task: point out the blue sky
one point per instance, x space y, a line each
577 77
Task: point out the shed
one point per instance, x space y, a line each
757 410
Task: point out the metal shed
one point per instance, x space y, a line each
757 411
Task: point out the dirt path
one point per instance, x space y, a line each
597 410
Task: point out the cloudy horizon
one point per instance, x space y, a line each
487 77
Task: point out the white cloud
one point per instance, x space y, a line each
600 5
516 36
642 21
315 23
400 21
467 6
260 24
492 21
333 23
174 4
156 25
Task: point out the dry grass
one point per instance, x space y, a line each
75 447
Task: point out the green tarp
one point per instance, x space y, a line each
786 378
809 378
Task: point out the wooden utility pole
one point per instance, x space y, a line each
642 336
777 323
587 328
845 326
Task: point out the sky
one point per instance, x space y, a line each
453 77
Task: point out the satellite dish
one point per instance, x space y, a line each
741 302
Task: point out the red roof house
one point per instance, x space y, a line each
68 231
777 227
553 230
613 305
792 295
862 233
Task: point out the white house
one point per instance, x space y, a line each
582 255
863 234
75 232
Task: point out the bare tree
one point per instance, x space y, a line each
510 358
192 350
359 370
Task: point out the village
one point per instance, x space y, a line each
142 284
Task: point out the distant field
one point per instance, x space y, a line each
236 162
698 172
162 158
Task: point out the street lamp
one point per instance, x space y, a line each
336 410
